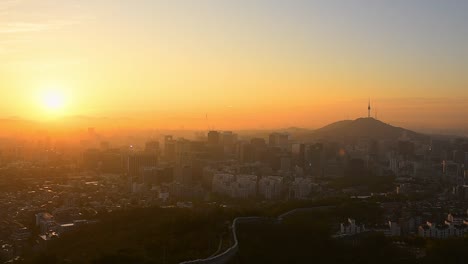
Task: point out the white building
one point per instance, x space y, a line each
270 187
245 186
457 219
240 186
350 228
221 183
300 188
394 229
442 231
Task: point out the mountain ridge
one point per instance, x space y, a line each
365 127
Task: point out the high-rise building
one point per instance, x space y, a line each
183 151
152 147
258 142
245 152
270 187
278 140
91 158
213 138
183 174
105 145
314 157
169 148
138 161
111 161
229 138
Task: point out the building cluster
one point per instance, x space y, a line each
410 222
51 226
43 208
456 225
64 187
178 166
235 186
248 186
351 228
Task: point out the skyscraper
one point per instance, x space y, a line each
278 140
213 138
138 161
152 147
169 148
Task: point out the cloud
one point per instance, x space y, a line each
22 20
31 27
13 34
22 27
30 16
8 4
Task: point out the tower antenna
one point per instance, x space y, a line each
369 109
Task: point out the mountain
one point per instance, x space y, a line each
336 125
15 125
365 127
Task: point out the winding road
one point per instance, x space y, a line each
226 256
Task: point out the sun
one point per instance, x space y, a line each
53 100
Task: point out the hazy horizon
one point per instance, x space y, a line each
75 127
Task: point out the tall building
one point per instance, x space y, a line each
229 138
314 158
169 148
245 152
300 188
270 187
183 174
229 141
137 161
91 158
152 147
278 140
214 138
240 186
111 161
258 142
183 152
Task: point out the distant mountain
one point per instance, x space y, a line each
335 126
15 125
365 127
295 129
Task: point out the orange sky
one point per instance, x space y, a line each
249 64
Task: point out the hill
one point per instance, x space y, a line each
365 127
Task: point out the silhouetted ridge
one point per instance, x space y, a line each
336 125
365 127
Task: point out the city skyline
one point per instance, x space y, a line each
244 64
233 131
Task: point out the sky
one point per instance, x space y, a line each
235 64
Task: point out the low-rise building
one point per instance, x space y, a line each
45 222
